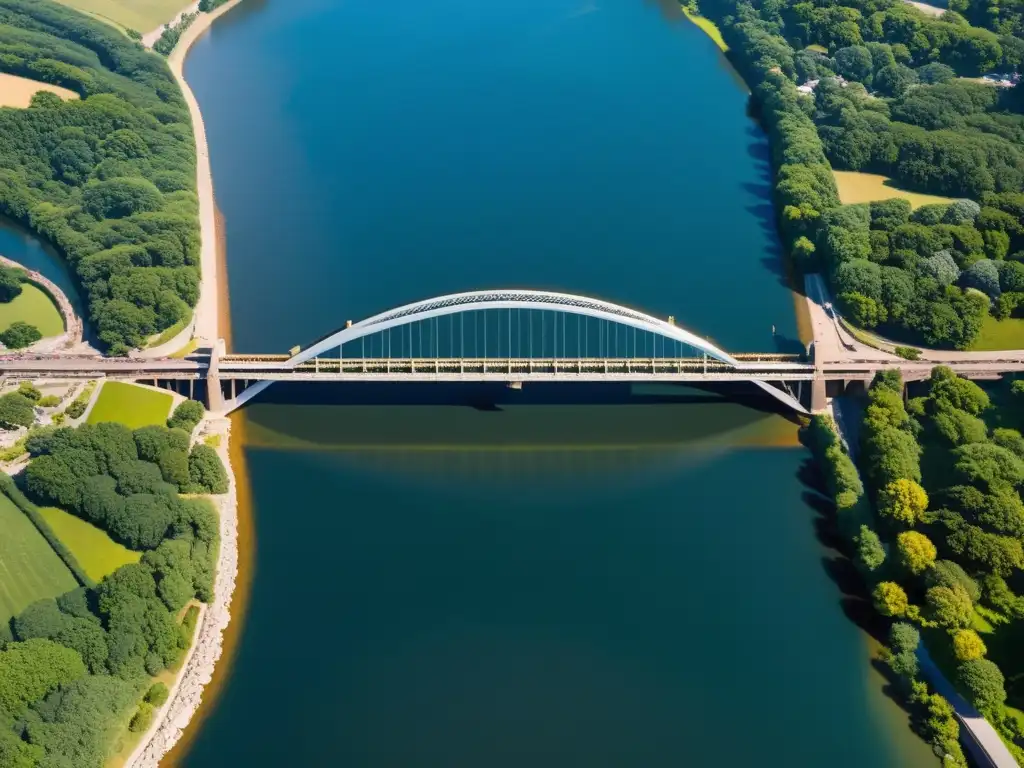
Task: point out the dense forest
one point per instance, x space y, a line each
937 529
108 179
885 92
1003 16
75 670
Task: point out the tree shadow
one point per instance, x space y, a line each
855 599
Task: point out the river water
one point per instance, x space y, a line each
599 576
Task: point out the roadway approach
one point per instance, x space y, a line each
534 336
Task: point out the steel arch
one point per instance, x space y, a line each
508 299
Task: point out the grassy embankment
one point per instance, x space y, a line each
140 15
35 307
95 551
708 27
130 405
1000 334
29 568
856 187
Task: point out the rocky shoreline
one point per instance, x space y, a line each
208 643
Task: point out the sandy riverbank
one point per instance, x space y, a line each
205 325
210 641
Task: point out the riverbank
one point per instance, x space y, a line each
204 325
211 638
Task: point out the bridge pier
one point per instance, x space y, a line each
819 401
214 394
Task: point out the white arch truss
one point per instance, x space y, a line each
509 299
516 299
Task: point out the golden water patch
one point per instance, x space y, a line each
856 187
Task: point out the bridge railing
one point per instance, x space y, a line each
332 366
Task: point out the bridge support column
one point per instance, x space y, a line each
818 398
214 395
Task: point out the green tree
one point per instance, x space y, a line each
959 427
88 638
946 388
892 454
854 63
29 670
870 552
40 619
890 599
916 551
949 607
902 652
11 281
983 683
206 470
15 411
19 335
946 573
983 464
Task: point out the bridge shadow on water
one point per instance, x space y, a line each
495 396
540 418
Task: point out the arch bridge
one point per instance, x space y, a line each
511 336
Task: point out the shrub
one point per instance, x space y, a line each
186 416
908 353
142 718
48 401
157 694
29 390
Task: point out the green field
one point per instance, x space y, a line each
130 405
140 15
1000 334
29 569
97 553
34 307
